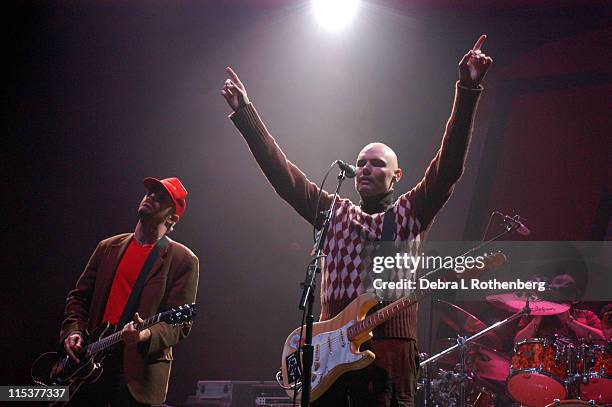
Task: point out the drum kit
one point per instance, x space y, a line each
539 372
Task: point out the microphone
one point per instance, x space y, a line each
349 170
515 223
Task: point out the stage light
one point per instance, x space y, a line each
334 15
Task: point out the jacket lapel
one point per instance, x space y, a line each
115 254
106 276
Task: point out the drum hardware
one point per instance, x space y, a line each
543 372
594 366
463 322
461 345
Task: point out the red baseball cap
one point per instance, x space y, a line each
175 189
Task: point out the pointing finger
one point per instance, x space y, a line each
479 43
233 75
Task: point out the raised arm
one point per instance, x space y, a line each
286 178
447 166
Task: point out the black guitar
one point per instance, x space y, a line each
66 372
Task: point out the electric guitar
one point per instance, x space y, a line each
66 372
336 341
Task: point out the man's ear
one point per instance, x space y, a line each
171 219
397 175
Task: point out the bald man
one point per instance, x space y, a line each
391 379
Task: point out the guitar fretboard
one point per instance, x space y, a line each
372 321
115 338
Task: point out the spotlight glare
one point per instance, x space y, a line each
334 15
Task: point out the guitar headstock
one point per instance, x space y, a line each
182 314
495 260
491 261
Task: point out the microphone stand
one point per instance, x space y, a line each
307 300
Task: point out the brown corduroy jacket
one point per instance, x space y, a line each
172 281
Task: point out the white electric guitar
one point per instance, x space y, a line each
336 341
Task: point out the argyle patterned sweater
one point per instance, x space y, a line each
353 234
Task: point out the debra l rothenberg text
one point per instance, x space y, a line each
472 284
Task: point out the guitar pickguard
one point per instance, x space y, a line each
334 354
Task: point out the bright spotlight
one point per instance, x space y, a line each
334 15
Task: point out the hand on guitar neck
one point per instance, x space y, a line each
73 344
131 335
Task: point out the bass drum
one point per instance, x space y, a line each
572 403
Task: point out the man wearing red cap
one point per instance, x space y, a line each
138 374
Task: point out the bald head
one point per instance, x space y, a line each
381 150
377 170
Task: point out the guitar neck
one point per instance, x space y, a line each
115 338
384 314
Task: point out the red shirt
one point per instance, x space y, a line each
125 278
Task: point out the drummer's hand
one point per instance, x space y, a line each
565 317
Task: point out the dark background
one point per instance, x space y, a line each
100 94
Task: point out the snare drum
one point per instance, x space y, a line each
539 370
595 367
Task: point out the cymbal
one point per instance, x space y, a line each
464 323
487 363
514 302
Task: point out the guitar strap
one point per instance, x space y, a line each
385 249
130 308
386 239
388 227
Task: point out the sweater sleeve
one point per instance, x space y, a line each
447 166
286 178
